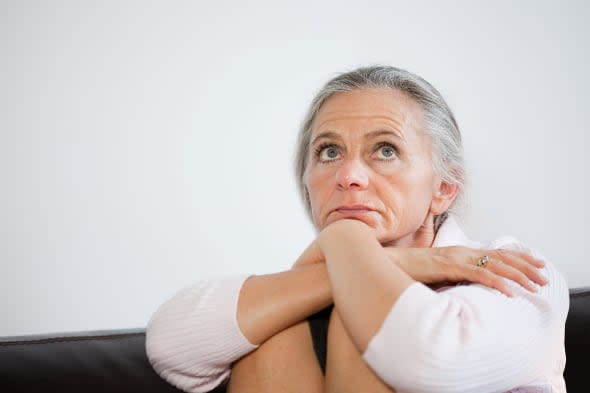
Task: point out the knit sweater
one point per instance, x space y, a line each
463 338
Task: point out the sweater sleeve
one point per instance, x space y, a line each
193 338
472 338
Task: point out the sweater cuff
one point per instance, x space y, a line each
194 338
228 293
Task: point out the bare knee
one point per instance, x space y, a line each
346 371
285 362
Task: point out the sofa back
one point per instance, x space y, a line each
116 362
577 341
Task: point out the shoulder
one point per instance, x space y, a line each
451 234
550 302
513 244
554 295
557 287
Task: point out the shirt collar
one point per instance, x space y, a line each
451 234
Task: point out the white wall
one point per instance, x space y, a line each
146 145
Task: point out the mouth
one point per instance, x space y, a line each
353 211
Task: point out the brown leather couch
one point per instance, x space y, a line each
115 361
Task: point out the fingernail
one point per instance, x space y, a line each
545 281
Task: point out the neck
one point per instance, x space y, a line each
422 238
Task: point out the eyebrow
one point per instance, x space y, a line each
325 135
370 135
395 134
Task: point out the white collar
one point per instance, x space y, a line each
451 234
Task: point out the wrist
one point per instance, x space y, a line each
396 256
346 237
344 228
312 255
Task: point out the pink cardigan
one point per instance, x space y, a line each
465 338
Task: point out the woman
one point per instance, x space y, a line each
417 306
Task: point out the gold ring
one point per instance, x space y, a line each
483 261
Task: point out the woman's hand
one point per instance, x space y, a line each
454 264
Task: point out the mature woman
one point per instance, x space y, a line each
413 304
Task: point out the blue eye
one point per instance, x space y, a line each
331 153
386 151
328 152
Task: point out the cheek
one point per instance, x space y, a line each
409 195
316 188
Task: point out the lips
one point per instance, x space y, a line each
353 208
353 211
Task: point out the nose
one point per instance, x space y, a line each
352 175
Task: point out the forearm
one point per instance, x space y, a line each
346 371
270 303
194 337
365 284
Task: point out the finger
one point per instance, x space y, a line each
489 279
526 256
502 269
517 261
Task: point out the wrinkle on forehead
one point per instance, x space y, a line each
395 125
395 109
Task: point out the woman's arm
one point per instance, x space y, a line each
466 339
346 370
472 339
193 338
365 283
271 303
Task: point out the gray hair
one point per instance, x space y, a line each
441 127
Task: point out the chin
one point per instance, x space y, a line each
386 236
365 220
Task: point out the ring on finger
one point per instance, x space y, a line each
483 261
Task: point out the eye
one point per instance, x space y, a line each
327 152
386 151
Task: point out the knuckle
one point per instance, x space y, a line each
522 278
506 255
498 253
529 271
501 251
486 275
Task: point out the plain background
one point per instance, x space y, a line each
146 145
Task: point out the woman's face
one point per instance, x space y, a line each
370 161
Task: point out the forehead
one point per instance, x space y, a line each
370 107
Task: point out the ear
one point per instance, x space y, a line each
444 194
